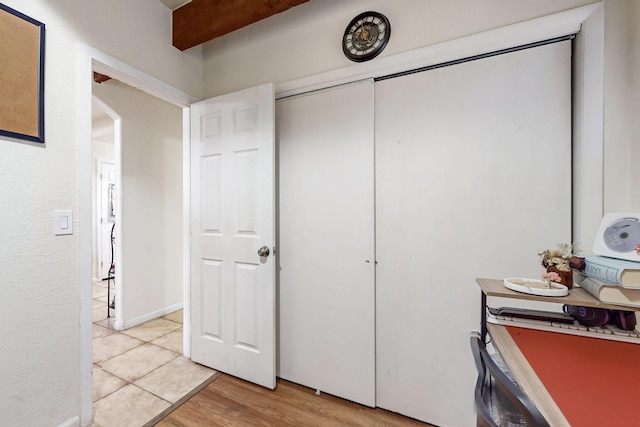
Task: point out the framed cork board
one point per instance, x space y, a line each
21 76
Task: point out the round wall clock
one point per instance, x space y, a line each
366 36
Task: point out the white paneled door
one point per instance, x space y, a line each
326 232
232 234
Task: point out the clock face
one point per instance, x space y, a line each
366 36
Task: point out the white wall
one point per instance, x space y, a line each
306 39
151 211
40 288
622 106
634 93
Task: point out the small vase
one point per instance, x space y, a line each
566 277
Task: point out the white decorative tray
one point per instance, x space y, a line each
536 287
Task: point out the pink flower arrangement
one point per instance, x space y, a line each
552 277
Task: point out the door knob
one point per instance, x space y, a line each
263 251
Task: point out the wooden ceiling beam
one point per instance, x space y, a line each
100 78
202 20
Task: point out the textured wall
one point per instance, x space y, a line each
39 285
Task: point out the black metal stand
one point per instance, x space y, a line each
483 317
111 303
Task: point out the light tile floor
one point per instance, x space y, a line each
139 374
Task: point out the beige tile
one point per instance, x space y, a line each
152 329
104 383
175 379
99 314
171 341
128 407
99 304
101 331
99 291
138 362
104 348
103 298
175 316
107 323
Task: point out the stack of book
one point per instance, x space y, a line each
611 280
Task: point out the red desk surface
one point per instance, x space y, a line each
594 382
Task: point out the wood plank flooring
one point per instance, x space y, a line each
231 402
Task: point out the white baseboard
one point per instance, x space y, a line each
73 422
149 316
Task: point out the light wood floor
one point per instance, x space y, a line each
232 402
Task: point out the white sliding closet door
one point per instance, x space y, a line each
473 179
326 241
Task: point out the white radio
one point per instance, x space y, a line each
619 236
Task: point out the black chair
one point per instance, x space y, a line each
498 399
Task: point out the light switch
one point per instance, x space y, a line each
63 222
